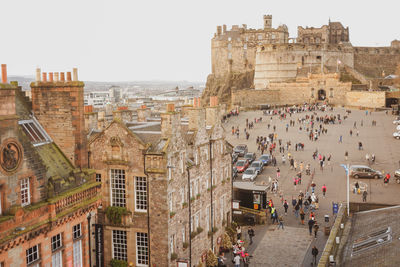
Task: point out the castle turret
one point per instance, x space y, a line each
267 21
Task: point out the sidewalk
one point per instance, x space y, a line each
320 244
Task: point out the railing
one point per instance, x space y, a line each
75 198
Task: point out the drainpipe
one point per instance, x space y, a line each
148 206
89 216
190 219
212 210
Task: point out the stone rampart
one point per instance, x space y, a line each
363 99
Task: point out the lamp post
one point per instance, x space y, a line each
346 168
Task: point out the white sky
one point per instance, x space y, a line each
125 40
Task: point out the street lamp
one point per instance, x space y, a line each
346 168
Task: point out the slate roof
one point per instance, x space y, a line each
365 226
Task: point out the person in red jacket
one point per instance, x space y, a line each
324 190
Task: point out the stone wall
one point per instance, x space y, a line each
369 99
374 61
250 98
281 62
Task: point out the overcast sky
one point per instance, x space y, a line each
125 40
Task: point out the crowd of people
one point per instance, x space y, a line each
283 149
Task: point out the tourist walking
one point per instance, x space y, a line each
314 252
324 190
250 232
280 222
286 206
310 225
316 228
364 196
302 216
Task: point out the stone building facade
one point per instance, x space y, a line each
47 204
172 178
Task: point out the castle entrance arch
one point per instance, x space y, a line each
321 94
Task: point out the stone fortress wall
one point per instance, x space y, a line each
280 63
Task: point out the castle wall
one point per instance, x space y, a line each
253 98
281 62
372 61
365 99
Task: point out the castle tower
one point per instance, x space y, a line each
267 22
58 105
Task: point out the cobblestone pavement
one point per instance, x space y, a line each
376 139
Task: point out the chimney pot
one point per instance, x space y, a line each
170 107
56 76
3 73
44 76
69 76
50 77
62 76
38 74
75 74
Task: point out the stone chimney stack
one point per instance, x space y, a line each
59 109
3 73
197 118
143 113
170 122
212 112
38 73
7 99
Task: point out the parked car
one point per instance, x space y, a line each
265 159
241 150
258 165
241 165
250 156
235 157
397 176
234 173
398 128
249 174
360 171
396 122
396 135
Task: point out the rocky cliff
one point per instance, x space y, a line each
223 86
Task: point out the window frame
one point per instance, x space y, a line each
28 254
121 191
139 191
122 245
26 189
56 242
142 248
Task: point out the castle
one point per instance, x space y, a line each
270 61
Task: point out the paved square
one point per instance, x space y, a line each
375 139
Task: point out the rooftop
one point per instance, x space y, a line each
374 238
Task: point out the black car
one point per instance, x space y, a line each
250 156
240 149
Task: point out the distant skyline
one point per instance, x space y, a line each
127 40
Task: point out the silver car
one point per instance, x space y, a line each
249 174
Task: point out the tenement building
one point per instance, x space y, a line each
166 186
260 59
48 197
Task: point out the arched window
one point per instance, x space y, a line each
312 92
331 92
